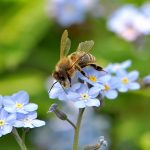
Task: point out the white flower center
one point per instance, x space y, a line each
93 78
26 120
125 80
19 105
85 96
2 123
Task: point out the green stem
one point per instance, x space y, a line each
71 123
18 139
77 129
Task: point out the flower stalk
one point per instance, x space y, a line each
77 130
18 139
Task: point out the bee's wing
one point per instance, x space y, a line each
65 44
85 46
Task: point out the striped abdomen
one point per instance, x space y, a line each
86 59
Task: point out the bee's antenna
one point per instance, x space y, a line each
52 87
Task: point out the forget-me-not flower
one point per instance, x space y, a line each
67 12
127 81
110 84
116 67
85 97
129 23
93 76
19 102
6 122
28 120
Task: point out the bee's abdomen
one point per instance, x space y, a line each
86 59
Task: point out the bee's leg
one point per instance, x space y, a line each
98 68
69 79
82 72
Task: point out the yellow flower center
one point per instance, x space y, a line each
106 87
92 78
19 105
2 122
84 96
125 80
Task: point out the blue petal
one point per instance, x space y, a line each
38 123
133 75
111 94
83 88
8 101
126 64
18 124
134 86
7 129
80 104
28 125
76 86
93 102
94 92
31 107
3 114
11 109
105 78
123 88
21 97
11 118
73 96
32 115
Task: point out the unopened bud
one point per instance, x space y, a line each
61 115
92 147
101 144
146 80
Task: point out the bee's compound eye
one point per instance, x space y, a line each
55 75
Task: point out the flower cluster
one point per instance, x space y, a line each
130 23
69 12
89 90
16 111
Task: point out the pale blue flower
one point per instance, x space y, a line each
28 120
85 97
127 81
93 76
67 12
110 83
129 23
6 122
19 102
115 67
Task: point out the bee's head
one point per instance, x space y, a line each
61 77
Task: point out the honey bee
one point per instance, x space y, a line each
76 61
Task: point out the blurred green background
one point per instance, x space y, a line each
29 50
